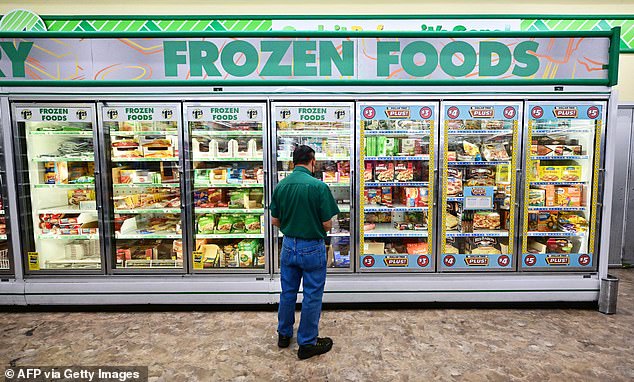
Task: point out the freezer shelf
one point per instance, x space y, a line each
146 219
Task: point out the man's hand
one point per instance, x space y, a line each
275 222
327 225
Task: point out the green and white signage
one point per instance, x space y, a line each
252 60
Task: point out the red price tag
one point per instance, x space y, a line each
504 261
530 260
368 261
584 260
537 112
509 112
453 112
423 261
593 112
449 260
369 112
425 112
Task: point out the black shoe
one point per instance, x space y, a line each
283 341
322 346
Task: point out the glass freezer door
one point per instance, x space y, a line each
396 195
561 186
480 150
143 146
328 129
227 155
57 150
6 261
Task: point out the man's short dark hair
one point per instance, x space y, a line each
303 155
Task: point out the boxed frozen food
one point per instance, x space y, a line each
550 196
408 146
329 173
494 152
536 197
75 197
419 248
451 156
451 222
368 174
571 173
380 146
486 220
252 223
483 246
126 148
373 196
218 175
550 173
404 171
386 196
235 175
416 196
470 149
480 176
374 248
343 170
239 198
546 221
238 224
384 171
568 196
454 181
503 173
391 146
157 147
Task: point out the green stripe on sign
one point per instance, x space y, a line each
98 24
85 25
215 25
70 26
266 26
576 24
239 26
228 24
21 20
151 26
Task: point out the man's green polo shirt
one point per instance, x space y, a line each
302 203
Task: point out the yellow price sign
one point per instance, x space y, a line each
198 259
34 261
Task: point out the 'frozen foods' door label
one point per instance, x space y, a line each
478 198
314 113
140 113
54 114
228 113
34 261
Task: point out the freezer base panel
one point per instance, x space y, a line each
339 289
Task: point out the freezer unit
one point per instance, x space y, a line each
58 187
327 127
144 209
562 161
480 152
227 165
396 188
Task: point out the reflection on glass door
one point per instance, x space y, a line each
57 145
562 164
478 186
328 129
397 169
146 208
228 158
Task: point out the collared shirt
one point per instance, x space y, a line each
302 203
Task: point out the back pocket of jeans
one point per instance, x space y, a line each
314 259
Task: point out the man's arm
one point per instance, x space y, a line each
328 208
327 225
275 222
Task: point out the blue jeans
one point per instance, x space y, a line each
302 259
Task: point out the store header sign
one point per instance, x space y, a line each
293 59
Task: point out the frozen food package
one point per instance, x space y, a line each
454 181
494 152
568 196
550 173
408 146
207 224
471 149
572 222
386 196
486 220
373 196
384 171
559 245
238 224
571 173
419 248
484 246
480 176
368 175
224 225
239 198
404 171
536 197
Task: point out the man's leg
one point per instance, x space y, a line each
314 262
290 277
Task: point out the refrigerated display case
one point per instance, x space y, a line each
327 127
480 150
562 159
227 163
59 186
144 208
6 258
396 187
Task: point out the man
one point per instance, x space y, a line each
302 207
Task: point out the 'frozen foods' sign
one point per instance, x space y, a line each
262 59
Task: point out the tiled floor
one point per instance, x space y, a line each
370 345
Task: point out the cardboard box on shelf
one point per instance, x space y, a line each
374 248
